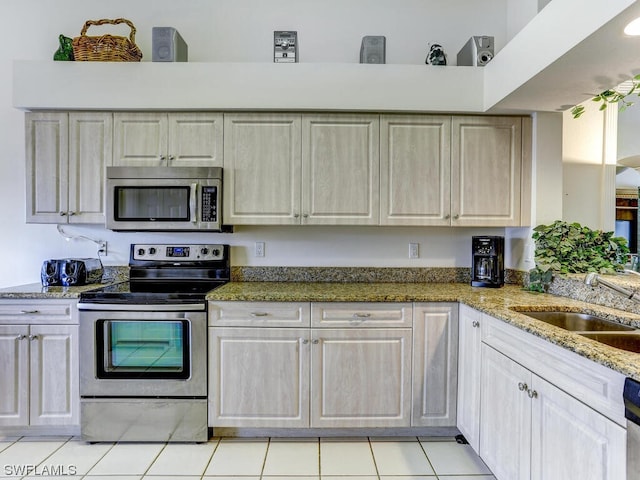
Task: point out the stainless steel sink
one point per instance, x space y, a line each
578 322
624 341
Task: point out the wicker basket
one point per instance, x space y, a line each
106 48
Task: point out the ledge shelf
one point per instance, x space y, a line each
49 85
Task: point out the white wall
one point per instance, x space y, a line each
235 30
589 156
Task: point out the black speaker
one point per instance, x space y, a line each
373 49
168 45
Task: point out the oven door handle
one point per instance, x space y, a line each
193 201
127 307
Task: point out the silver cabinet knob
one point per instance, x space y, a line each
475 324
523 386
532 393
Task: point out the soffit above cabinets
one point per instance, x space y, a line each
560 58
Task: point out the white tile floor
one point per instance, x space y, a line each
359 458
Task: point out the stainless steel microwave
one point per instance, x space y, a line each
164 198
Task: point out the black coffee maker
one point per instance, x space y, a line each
487 261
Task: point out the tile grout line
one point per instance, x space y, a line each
375 464
215 449
319 460
154 460
264 461
428 459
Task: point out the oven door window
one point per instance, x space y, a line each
139 349
159 204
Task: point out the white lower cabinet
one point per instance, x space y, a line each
435 364
269 376
39 374
469 343
361 377
530 429
259 377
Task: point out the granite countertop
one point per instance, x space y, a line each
504 303
35 291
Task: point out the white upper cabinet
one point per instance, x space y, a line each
486 162
457 171
176 139
340 169
415 171
288 169
66 155
262 169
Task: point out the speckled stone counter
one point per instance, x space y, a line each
33 291
112 274
504 303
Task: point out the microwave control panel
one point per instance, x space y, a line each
209 204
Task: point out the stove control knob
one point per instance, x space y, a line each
152 251
141 252
204 250
215 252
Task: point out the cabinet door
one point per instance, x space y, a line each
55 393
361 378
435 366
469 338
140 139
505 422
486 157
14 375
570 441
90 153
47 156
340 173
415 169
195 139
262 169
259 377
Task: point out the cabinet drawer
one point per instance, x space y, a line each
361 314
254 314
595 385
43 311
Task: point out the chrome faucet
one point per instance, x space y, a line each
593 280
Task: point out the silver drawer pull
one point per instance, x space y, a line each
33 337
532 393
315 342
259 314
29 312
304 341
21 337
523 386
361 315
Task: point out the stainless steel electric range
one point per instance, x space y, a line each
143 346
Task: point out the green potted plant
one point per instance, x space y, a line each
563 247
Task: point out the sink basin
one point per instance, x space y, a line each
578 322
624 341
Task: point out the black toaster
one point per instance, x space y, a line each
71 271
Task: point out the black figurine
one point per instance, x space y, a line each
436 55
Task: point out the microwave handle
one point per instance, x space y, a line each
193 201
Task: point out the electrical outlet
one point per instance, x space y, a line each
259 249
414 250
102 249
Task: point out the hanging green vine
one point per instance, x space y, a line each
613 96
